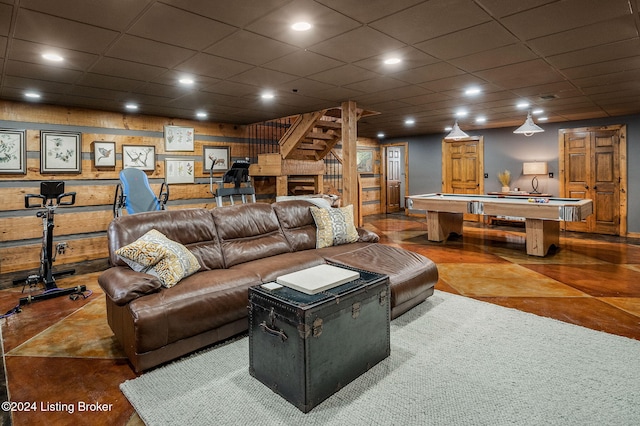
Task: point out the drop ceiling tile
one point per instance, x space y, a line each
136 49
603 68
604 80
3 46
560 89
426 99
428 73
58 32
161 90
6 11
326 23
456 82
417 23
377 84
112 14
304 87
25 51
494 58
212 66
585 37
239 14
250 48
231 88
108 82
45 88
40 72
479 38
501 8
126 69
177 27
523 74
343 75
595 54
357 44
263 78
302 63
410 58
370 10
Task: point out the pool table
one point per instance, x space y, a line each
445 214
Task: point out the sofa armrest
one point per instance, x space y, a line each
122 285
367 236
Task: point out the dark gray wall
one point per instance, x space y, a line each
505 150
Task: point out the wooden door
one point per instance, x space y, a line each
463 168
593 168
394 171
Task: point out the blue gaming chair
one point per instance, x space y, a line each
134 194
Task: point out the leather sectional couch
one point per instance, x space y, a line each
237 247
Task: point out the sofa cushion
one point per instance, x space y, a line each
144 252
270 268
202 302
192 228
334 226
297 223
248 232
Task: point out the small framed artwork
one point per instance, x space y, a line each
60 152
13 151
178 138
179 170
104 154
216 157
141 157
365 160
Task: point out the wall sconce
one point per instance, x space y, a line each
529 127
456 133
535 168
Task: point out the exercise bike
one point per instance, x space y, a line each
51 196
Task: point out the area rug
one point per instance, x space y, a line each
454 361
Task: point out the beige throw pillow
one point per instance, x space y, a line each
334 226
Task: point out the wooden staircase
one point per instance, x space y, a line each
299 166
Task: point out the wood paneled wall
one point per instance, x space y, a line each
83 225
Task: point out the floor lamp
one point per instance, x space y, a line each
535 168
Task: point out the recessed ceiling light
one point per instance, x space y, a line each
537 111
53 57
201 114
472 91
481 120
301 26
448 129
461 113
523 105
131 107
409 121
381 135
186 80
392 61
543 118
32 95
268 95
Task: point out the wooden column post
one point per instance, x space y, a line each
349 156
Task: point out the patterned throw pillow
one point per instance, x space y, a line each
334 226
155 254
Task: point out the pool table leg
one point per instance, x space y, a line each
441 224
541 235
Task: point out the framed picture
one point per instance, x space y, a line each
178 138
13 151
104 154
179 170
60 152
216 156
365 160
141 157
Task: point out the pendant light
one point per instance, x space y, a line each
456 133
529 127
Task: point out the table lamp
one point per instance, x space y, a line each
534 168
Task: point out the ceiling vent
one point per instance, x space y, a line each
548 97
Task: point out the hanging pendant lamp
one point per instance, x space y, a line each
456 133
529 127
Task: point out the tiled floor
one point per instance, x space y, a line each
60 354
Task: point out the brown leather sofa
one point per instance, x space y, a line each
237 247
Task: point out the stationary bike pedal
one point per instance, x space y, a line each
74 296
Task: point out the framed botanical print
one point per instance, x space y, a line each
216 157
365 160
141 157
178 138
13 151
179 170
104 154
60 152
